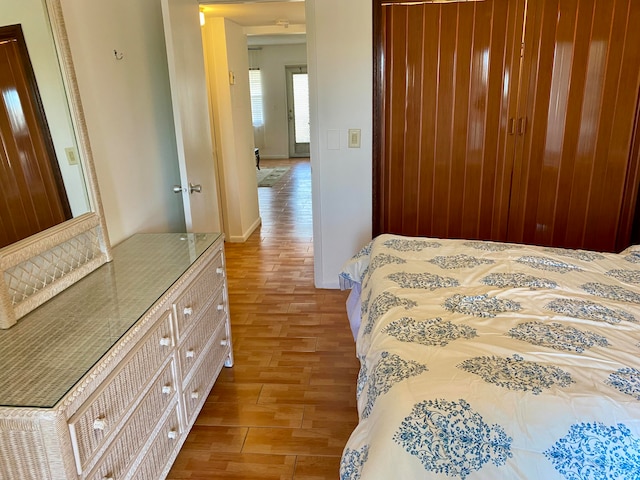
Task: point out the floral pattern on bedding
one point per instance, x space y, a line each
588 310
516 373
557 336
451 438
612 292
482 360
480 305
427 281
596 451
391 369
517 280
433 332
627 380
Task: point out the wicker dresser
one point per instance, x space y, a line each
105 380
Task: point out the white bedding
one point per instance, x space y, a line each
483 360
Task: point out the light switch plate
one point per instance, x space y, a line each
354 138
72 156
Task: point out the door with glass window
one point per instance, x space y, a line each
298 110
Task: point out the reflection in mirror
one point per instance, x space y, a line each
42 179
38 267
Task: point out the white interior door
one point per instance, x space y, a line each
191 116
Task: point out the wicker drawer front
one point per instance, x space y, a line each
196 391
130 439
93 423
161 450
197 339
199 293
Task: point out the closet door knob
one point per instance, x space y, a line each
195 188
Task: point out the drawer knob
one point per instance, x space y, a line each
107 477
220 307
224 342
190 353
188 311
195 395
219 270
165 341
166 389
172 434
99 424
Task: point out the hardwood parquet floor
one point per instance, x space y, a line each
285 410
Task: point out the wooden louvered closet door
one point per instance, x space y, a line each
444 85
574 182
476 137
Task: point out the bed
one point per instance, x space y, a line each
485 360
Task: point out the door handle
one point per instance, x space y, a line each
522 125
195 188
511 129
177 189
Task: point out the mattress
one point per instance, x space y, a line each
486 360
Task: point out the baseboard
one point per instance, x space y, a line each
243 238
273 157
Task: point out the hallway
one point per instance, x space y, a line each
287 407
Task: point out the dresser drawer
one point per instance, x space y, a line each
199 293
203 378
94 421
198 338
161 451
130 439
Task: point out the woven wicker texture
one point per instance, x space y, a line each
133 389
194 344
199 294
196 389
132 437
115 397
34 274
56 344
163 449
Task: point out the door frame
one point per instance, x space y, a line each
294 151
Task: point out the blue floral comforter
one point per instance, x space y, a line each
483 360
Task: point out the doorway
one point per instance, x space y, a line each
298 110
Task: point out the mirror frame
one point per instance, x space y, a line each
39 267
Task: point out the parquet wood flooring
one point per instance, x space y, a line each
287 407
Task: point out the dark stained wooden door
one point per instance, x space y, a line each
445 87
32 195
574 182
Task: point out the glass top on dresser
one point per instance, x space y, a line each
52 348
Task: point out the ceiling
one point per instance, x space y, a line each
266 22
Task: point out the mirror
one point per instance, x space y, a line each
38 267
31 16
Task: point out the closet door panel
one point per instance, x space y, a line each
441 162
569 186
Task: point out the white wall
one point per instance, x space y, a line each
340 75
225 47
272 60
37 34
127 104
